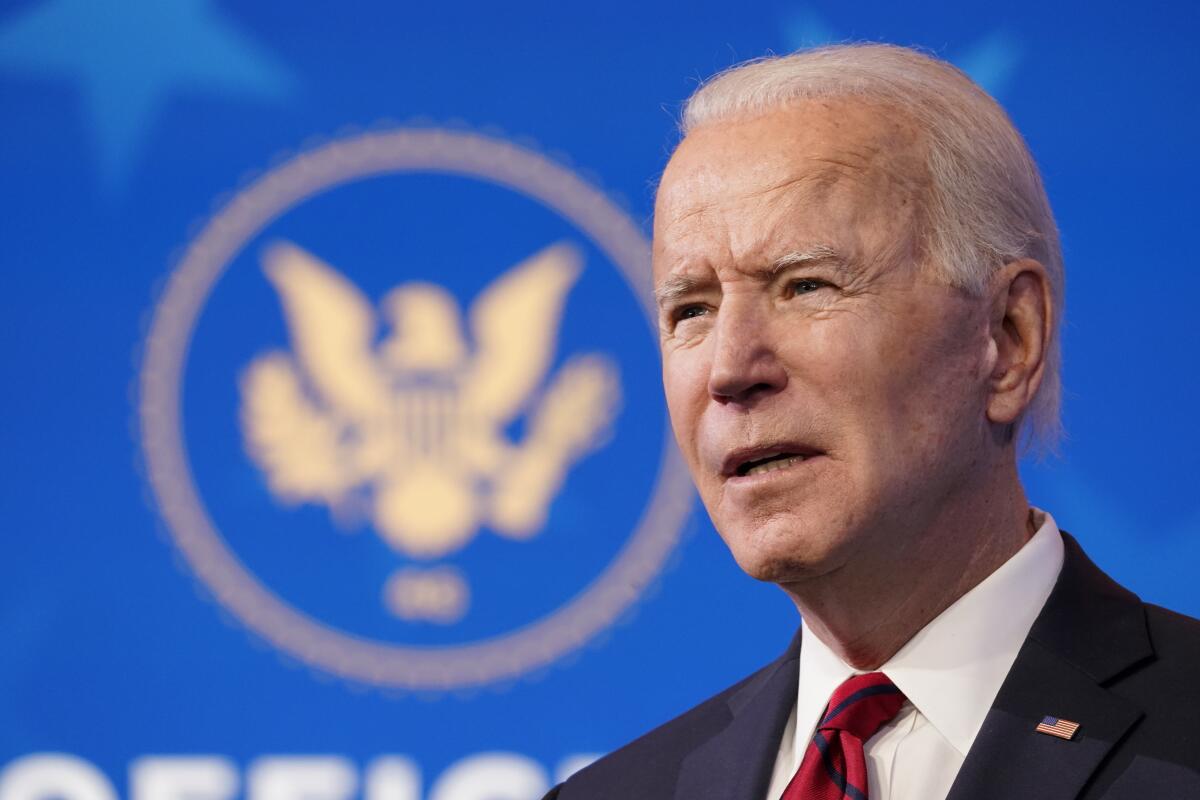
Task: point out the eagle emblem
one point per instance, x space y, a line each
410 427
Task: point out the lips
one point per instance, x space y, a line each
767 458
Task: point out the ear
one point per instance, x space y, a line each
1021 323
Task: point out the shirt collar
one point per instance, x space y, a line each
952 669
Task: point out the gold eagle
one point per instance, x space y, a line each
414 424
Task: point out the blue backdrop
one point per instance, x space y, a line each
180 617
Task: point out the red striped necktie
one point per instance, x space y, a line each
834 766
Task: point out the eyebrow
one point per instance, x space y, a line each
816 254
679 285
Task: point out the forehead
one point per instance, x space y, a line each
816 170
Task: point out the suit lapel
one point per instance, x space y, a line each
1009 759
736 763
1090 631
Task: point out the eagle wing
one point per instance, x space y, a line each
574 415
515 326
332 329
295 444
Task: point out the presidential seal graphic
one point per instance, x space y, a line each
400 410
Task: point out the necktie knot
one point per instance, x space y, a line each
834 765
862 705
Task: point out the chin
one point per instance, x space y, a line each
782 550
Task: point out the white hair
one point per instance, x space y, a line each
986 205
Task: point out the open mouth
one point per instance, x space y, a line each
769 464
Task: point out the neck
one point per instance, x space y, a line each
868 608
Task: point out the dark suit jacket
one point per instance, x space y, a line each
1127 672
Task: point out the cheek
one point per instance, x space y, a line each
928 402
685 382
899 381
849 363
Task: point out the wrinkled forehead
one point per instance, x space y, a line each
860 161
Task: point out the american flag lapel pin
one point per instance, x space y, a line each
1053 726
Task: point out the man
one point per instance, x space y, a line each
860 285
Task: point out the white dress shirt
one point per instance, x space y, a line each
950 671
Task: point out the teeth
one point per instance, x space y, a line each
771 466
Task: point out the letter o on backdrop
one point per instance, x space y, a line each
53 776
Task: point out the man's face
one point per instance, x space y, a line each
827 390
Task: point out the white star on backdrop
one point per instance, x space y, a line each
128 57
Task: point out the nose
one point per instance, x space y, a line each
745 363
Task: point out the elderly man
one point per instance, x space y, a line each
859 286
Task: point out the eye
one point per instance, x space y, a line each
807 285
688 312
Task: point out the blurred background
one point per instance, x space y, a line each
254 251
